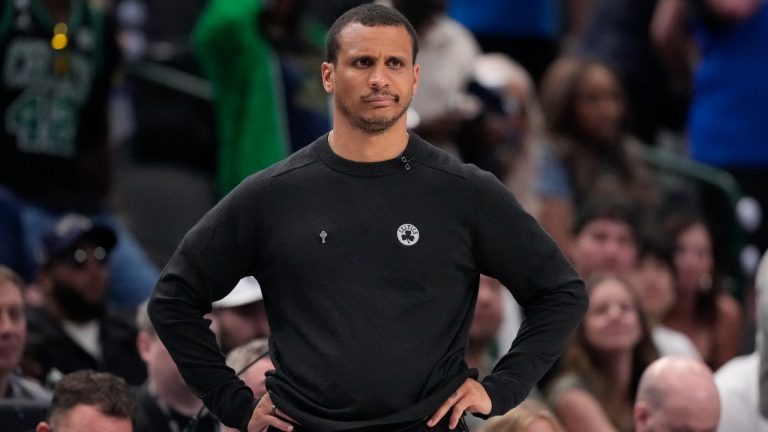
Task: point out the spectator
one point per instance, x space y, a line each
741 381
505 136
710 317
251 362
261 59
240 315
654 285
618 35
90 401
529 416
55 97
74 328
605 238
603 364
13 336
164 402
677 394
590 153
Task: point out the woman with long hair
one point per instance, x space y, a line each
603 364
703 311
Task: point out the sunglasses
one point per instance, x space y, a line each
79 257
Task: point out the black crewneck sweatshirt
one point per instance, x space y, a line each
369 273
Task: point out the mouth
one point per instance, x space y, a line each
381 100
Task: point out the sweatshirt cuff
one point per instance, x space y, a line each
502 394
244 423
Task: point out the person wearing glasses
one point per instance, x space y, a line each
73 329
90 401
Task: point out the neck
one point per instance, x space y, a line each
355 145
684 308
183 401
619 369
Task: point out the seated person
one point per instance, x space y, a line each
90 401
74 329
251 362
602 366
677 394
604 238
13 336
240 315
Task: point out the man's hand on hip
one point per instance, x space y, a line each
470 397
267 414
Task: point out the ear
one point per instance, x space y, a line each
641 414
327 71
416 72
43 427
143 345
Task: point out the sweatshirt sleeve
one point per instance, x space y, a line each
512 247
208 263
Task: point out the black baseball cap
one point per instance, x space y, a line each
71 229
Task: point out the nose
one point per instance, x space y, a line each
6 323
378 77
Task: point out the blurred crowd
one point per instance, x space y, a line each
632 130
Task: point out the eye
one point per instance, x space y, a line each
363 62
395 63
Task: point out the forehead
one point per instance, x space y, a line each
608 226
85 418
10 294
384 40
610 290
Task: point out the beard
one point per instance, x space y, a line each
374 125
74 306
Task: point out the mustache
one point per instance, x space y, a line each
377 93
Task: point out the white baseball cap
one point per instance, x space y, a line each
246 291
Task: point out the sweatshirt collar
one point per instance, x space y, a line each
403 162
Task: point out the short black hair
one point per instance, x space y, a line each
607 208
108 393
369 15
653 245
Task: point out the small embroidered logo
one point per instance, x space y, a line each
323 235
408 234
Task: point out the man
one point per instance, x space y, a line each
90 401
74 329
605 239
13 336
164 402
676 394
240 315
368 245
